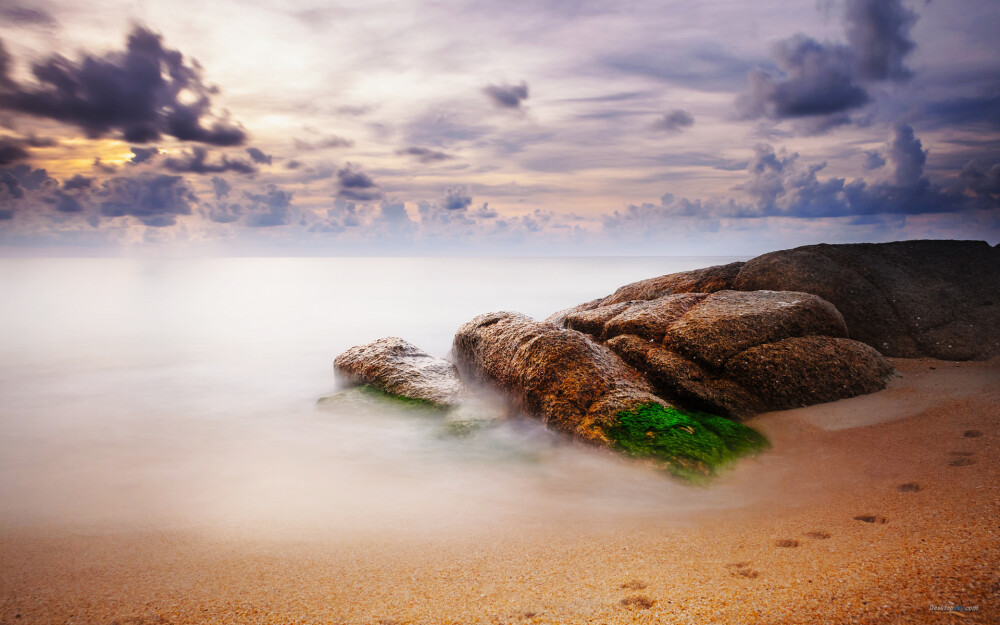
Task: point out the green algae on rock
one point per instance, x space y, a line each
690 445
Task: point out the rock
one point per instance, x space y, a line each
707 280
738 353
576 385
584 389
397 367
907 299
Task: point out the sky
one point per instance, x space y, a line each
548 127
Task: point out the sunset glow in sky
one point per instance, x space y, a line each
474 127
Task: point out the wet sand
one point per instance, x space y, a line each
852 521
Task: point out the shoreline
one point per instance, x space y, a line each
795 553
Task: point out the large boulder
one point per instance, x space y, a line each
738 353
577 386
399 368
707 280
907 299
562 376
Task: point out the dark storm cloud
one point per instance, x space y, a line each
196 162
675 121
11 151
456 199
142 155
78 182
258 156
14 13
879 33
507 96
155 200
815 79
142 93
221 187
425 155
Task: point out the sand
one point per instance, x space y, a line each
879 509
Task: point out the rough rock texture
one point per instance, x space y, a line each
907 299
575 384
707 280
397 367
738 353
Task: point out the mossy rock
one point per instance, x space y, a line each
692 445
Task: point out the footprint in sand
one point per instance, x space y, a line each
909 487
972 434
641 602
786 542
817 534
961 462
870 518
634 584
742 569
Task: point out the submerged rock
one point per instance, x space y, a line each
583 388
399 368
738 353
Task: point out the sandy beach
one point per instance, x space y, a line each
887 513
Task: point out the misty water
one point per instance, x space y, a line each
181 393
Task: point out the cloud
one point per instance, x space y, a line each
675 121
425 155
331 141
507 96
356 185
980 179
156 200
820 83
873 160
258 156
456 199
11 151
705 66
78 182
221 187
269 209
906 155
142 93
196 162
66 203
879 33
815 79
973 112
143 155
14 13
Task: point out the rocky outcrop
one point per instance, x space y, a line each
707 280
738 353
584 389
399 368
908 299
576 385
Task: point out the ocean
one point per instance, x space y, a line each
152 393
